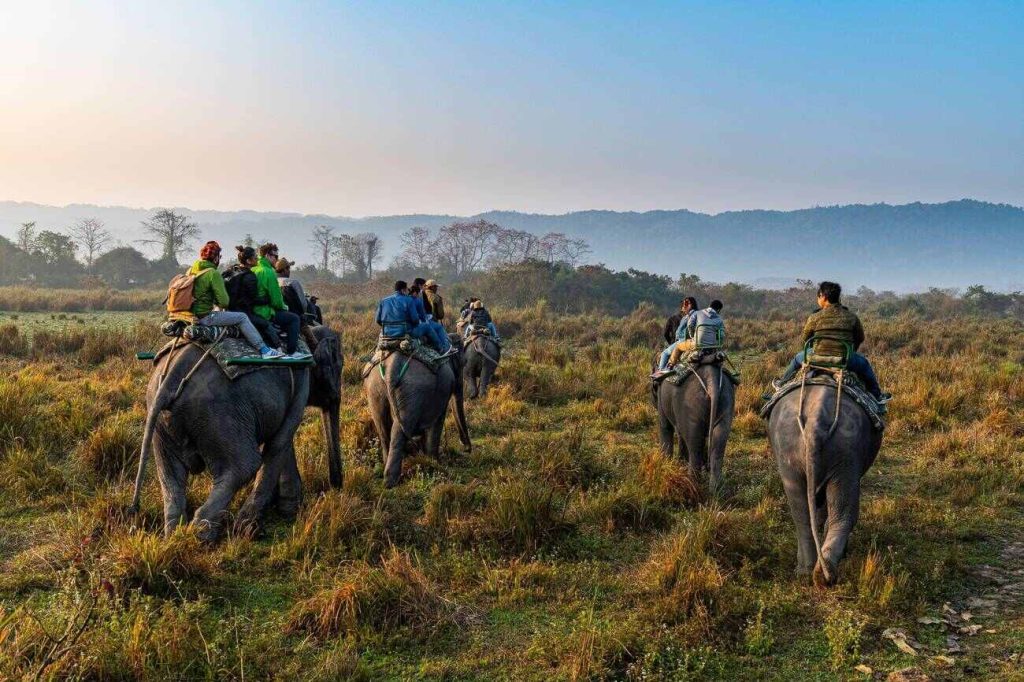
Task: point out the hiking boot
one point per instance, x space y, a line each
884 397
660 373
298 355
777 384
272 354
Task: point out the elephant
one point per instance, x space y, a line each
410 403
685 414
199 419
821 465
482 357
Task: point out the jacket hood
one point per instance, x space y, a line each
711 312
201 265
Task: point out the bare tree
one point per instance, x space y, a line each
514 246
92 236
555 247
360 252
323 241
466 247
172 232
27 237
417 249
574 250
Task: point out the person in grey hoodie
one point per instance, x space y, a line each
706 327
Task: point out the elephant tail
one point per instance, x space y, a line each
813 449
161 401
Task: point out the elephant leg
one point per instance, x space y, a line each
667 435
232 469
843 502
289 483
716 455
432 439
382 422
396 452
471 385
329 419
173 477
796 494
485 378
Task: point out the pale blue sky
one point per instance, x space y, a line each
397 107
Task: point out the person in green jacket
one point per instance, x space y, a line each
275 309
210 301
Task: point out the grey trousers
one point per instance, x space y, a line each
226 318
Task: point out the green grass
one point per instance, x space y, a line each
564 547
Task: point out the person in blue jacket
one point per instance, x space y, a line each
396 314
428 327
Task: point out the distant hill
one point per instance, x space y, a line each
903 248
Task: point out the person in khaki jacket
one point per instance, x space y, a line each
835 320
432 300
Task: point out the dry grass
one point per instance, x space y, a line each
565 547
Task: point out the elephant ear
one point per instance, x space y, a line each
326 372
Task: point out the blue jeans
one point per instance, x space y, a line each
289 323
665 354
434 333
858 364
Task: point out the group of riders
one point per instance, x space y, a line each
831 331
418 311
259 297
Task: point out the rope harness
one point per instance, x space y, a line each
481 351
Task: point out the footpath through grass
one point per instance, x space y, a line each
564 547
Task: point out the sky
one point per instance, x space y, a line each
457 107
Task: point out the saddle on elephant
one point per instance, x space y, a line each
413 349
233 354
480 331
681 371
828 372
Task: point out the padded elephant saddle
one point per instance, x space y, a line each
681 372
230 347
852 386
481 332
412 348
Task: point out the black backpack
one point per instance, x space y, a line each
233 285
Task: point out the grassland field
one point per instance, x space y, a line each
564 547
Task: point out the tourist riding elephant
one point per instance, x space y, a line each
821 466
199 419
413 402
699 415
482 357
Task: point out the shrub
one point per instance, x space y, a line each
155 565
522 514
112 450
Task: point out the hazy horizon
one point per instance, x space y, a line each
399 108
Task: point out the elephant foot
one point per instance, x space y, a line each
467 449
391 481
207 531
803 571
288 508
248 527
825 576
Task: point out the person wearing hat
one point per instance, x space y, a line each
210 304
479 317
291 289
432 301
428 327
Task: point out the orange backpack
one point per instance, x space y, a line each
180 296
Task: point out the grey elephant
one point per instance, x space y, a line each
698 413
407 400
199 419
482 357
821 466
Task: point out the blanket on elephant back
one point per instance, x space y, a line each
481 333
682 371
410 347
230 347
852 386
